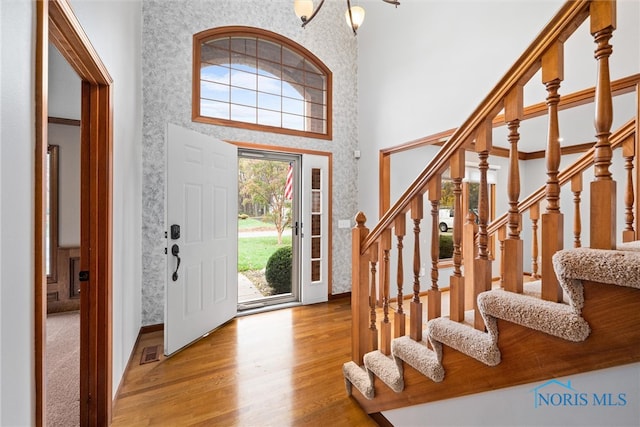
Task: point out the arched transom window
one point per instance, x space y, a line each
256 79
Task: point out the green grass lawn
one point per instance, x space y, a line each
253 252
250 223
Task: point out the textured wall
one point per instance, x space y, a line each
168 27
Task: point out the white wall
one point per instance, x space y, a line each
64 87
516 406
67 138
16 213
115 30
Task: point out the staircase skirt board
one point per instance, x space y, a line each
528 355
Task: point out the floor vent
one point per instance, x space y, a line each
150 354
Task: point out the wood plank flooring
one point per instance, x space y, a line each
280 368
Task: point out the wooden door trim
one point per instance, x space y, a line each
40 273
56 23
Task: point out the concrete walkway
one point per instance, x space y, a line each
246 290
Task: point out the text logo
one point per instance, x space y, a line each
554 393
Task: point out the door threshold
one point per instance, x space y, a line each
262 308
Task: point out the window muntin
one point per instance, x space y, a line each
255 79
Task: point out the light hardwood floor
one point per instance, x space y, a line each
281 368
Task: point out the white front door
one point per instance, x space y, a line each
201 289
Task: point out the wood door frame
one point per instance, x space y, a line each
56 23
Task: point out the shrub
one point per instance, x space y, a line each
446 246
243 216
278 270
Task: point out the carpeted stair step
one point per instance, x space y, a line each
556 319
388 369
359 377
629 246
420 357
464 338
621 267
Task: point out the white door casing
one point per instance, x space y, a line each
202 191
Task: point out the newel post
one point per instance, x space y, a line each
360 340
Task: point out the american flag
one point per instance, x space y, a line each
288 186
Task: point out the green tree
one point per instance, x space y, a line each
447 198
262 182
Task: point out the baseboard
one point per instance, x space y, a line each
338 296
380 419
150 328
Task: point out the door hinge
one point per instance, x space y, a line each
83 276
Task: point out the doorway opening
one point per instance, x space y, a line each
57 23
269 229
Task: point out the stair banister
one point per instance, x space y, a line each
626 131
566 21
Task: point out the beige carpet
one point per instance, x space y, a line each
63 369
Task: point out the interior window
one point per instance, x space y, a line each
252 78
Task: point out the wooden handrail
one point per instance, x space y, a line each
579 166
564 23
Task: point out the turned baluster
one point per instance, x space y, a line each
456 281
399 318
628 152
603 188
469 252
385 325
360 292
534 215
482 263
502 237
433 295
513 245
552 219
415 312
373 261
576 188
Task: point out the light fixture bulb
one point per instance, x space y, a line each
357 14
303 9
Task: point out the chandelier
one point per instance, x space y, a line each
354 14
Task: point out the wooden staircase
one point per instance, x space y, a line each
572 320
